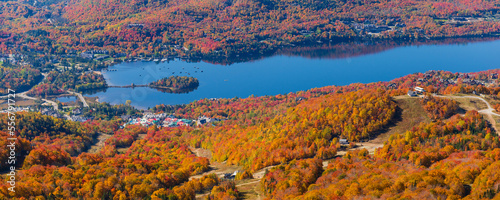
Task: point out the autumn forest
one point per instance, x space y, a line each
424 135
287 146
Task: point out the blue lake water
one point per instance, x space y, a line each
66 99
282 74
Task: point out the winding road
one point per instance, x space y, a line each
488 111
24 95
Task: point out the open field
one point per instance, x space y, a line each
99 143
470 104
409 114
19 102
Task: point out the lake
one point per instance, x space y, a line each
281 74
66 99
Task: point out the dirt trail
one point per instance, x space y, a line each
218 168
488 111
100 144
125 149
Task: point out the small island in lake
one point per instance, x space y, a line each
176 84
172 84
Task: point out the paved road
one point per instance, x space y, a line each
25 96
80 96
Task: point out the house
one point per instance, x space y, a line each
305 32
300 98
135 25
79 119
76 111
102 57
204 119
120 55
16 109
125 117
400 25
4 35
231 176
87 55
460 19
412 93
419 89
392 86
376 29
51 113
344 142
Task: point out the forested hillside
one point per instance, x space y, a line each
291 142
223 28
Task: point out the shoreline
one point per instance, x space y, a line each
249 56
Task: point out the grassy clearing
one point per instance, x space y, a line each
125 149
497 121
99 144
249 189
19 102
410 113
491 99
470 104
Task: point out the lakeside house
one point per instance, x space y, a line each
90 54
